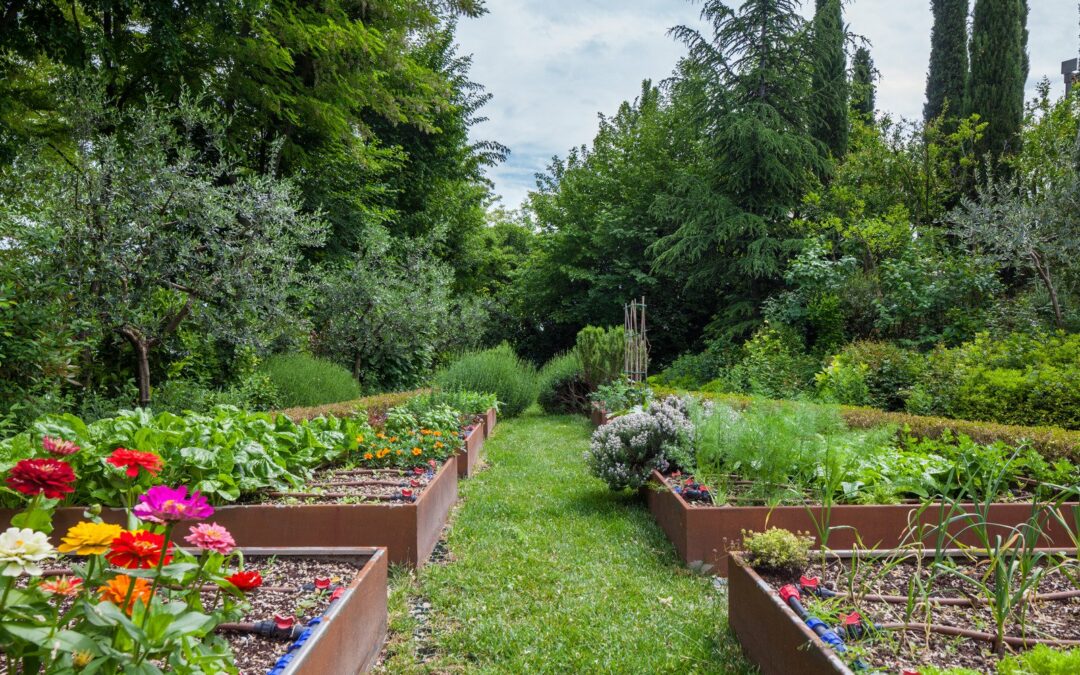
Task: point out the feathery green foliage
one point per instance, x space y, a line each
562 385
947 78
601 351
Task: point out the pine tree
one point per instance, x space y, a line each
863 89
947 78
829 122
999 66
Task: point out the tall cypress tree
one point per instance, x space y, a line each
829 122
948 73
999 65
863 89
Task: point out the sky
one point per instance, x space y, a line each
554 65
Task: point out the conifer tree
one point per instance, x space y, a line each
998 73
947 78
829 122
863 89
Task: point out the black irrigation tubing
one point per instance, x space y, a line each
361 483
1012 640
265 628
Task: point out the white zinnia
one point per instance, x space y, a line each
22 549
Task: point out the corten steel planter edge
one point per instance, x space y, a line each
409 532
490 419
598 416
773 637
353 629
468 457
704 534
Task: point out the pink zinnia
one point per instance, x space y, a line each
162 503
58 447
211 537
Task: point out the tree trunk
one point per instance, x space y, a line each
1048 281
142 354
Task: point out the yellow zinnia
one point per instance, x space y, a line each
89 538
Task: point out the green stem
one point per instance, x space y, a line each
157 570
8 583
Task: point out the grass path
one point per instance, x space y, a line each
552 573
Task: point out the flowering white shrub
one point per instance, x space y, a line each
624 451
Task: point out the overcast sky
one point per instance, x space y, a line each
553 65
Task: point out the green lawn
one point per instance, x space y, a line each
554 573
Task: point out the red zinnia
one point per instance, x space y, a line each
246 580
139 549
36 476
133 460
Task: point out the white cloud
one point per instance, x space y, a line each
554 65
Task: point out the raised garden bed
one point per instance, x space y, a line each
468 457
795 623
490 418
704 534
598 416
345 625
408 530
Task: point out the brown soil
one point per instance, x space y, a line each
336 486
257 654
894 650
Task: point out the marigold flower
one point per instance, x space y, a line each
246 580
400 451
87 538
211 537
58 447
438 433
63 585
116 590
22 550
382 453
417 452
50 477
369 456
380 435
360 439
438 444
162 503
393 439
139 549
133 460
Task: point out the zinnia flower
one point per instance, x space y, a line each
133 460
58 447
246 580
66 586
50 477
21 551
417 452
162 503
211 537
116 590
89 538
139 549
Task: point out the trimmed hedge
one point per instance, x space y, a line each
1051 442
377 403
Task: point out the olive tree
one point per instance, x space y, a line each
156 221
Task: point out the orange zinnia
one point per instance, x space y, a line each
117 589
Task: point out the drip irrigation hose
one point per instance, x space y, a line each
791 597
343 495
265 628
1012 640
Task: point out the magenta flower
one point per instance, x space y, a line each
58 447
211 537
162 503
